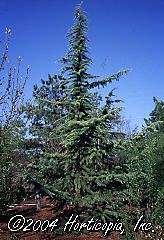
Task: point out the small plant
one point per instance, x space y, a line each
13 237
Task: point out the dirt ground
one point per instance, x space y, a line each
28 210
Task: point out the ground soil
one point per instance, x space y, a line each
46 212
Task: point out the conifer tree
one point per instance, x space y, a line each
42 112
157 115
143 155
156 158
86 169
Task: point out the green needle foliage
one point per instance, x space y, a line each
81 169
82 165
72 150
157 158
143 155
157 115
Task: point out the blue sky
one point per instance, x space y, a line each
123 34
